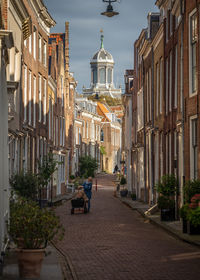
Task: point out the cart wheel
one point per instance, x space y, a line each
85 210
72 211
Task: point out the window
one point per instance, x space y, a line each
167 154
171 23
167 26
181 79
193 50
44 53
161 84
109 75
170 81
50 108
176 77
170 153
30 97
40 98
150 91
102 135
166 89
148 117
30 43
34 43
34 100
25 149
56 131
157 89
102 75
79 135
87 129
63 131
62 91
45 101
94 75
25 92
61 137
140 109
40 48
193 148
83 129
76 135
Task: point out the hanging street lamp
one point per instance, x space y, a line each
109 11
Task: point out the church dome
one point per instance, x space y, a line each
102 55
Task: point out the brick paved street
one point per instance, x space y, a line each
115 242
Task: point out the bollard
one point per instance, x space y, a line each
96 185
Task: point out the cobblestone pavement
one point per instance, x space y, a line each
114 242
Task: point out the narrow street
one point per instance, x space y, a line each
115 242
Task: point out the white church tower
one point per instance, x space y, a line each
102 66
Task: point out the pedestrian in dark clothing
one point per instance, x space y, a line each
115 169
87 185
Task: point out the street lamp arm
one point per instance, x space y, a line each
109 1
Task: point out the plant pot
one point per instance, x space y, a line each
167 215
184 225
123 193
30 262
192 229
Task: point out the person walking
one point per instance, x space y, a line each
87 185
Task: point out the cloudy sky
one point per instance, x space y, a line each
85 22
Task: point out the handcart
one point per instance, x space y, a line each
80 204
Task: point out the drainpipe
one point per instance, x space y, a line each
144 133
182 5
152 131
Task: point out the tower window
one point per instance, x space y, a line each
94 75
109 76
102 75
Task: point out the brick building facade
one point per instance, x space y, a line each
165 98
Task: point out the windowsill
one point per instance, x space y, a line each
192 94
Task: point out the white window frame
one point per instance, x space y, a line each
157 89
192 92
34 100
44 53
161 84
25 93
30 98
30 43
176 78
34 43
40 97
39 47
45 101
167 86
170 81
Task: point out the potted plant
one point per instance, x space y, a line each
133 196
25 184
124 191
31 228
167 208
193 215
183 214
167 188
191 192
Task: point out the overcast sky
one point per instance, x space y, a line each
85 22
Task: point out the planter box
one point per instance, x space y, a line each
191 229
123 193
167 215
